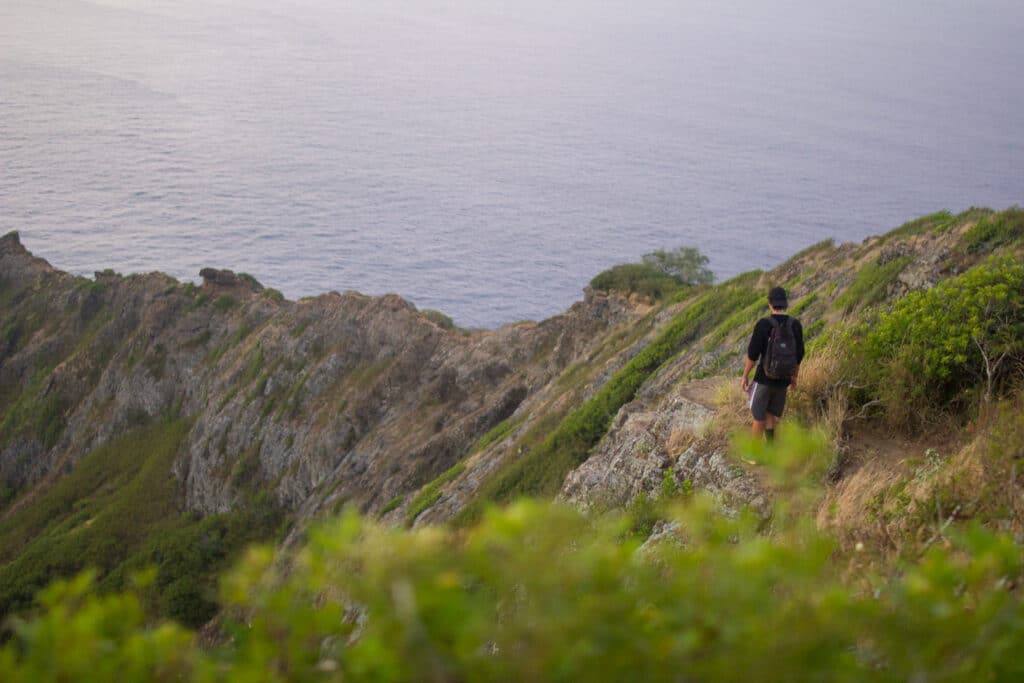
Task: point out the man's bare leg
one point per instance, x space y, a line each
769 425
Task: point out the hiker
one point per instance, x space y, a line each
778 343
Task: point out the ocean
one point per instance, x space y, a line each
486 158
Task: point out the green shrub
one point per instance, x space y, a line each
79 636
635 277
934 345
189 559
814 329
740 321
274 295
659 274
438 318
685 265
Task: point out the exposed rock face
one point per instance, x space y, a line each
634 458
647 444
329 399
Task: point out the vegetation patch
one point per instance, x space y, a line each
117 513
392 504
293 402
274 295
639 278
803 304
438 318
225 302
818 247
250 281
37 412
935 347
431 493
106 506
995 231
246 467
497 433
813 330
237 338
740 321
871 285
934 222
659 274
187 559
365 375
26 314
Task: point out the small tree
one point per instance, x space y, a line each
686 265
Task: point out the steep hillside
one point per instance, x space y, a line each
147 421
675 418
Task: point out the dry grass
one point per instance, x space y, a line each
820 397
679 440
904 496
732 408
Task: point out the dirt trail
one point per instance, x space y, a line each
873 461
703 391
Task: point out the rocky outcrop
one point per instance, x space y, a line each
648 447
637 453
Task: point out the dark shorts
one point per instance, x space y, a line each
765 399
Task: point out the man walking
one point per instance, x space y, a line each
776 348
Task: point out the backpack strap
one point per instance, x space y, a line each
768 343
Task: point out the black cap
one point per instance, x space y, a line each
777 298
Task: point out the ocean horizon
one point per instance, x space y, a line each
486 159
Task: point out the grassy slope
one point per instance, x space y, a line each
118 511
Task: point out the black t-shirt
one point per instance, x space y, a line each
759 345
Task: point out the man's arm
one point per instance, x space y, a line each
798 332
747 367
754 350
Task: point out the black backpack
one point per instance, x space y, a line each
780 358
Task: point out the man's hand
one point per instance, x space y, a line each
792 382
744 383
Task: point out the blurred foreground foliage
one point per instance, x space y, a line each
541 592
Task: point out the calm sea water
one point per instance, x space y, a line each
488 157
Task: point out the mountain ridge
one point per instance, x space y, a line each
340 400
